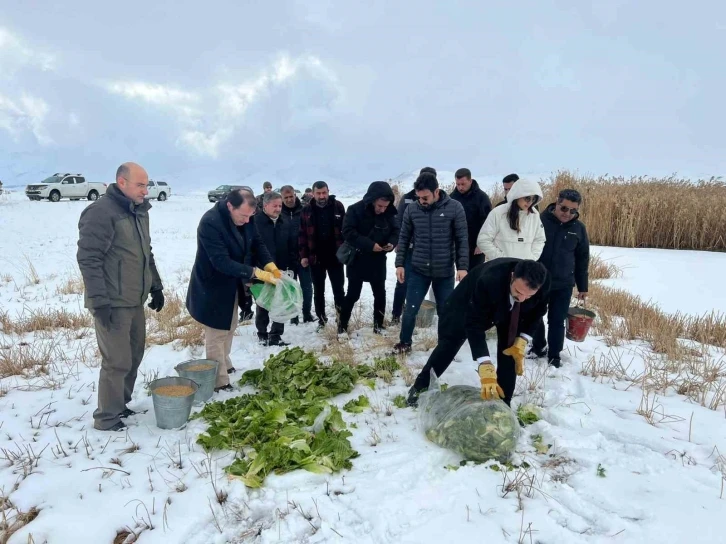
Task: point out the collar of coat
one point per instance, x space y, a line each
472 191
113 192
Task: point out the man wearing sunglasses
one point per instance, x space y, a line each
566 256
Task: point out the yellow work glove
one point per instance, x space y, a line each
489 386
272 267
267 277
517 351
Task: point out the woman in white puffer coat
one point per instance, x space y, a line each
514 229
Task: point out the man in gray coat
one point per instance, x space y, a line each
436 225
119 274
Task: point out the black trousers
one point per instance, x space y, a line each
355 286
475 260
558 305
244 298
450 344
262 320
335 271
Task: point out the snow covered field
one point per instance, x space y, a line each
609 475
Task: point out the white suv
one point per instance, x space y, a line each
72 186
159 190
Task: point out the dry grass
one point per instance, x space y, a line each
71 285
44 319
173 324
12 518
648 212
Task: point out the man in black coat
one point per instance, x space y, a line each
399 294
321 234
292 210
507 182
477 207
566 256
370 226
280 240
436 225
508 293
229 250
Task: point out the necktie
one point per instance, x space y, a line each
513 323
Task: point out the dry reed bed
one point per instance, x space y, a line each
668 213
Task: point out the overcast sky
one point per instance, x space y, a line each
218 91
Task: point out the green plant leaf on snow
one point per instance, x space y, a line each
356 406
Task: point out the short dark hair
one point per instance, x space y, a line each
266 185
308 190
426 182
320 185
428 170
286 188
533 273
239 197
463 173
510 178
569 194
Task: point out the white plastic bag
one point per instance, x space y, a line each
458 419
283 301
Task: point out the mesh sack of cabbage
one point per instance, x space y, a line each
283 301
458 419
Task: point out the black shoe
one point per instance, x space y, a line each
378 329
231 370
246 315
128 412
227 387
276 340
262 338
555 362
307 318
402 347
396 320
342 329
537 353
120 426
413 395
295 321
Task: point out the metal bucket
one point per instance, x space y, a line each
205 379
426 313
579 321
172 412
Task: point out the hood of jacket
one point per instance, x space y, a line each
376 190
125 202
549 214
524 187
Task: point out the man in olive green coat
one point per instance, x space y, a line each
119 273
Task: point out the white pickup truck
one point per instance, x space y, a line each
72 186
160 190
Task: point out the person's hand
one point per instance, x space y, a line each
517 352
582 296
377 248
157 300
388 247
478 251
401 274
272 268
490 389
267 277
460 275
103 314
304 263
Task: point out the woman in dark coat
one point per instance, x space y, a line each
370 227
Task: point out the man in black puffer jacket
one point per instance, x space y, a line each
566 256
477 207
370 226
292 210
437 226
399 294
281 242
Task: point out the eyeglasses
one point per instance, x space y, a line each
571 211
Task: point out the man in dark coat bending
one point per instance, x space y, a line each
508 293
370 226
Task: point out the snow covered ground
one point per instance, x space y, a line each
609 475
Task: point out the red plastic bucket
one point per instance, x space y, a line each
579 321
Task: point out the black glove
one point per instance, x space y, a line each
103 313
157 300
